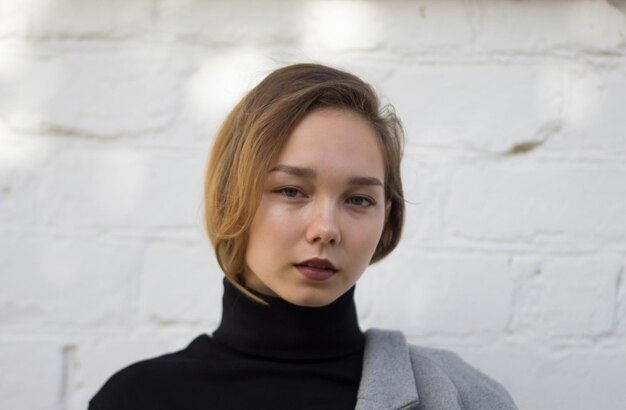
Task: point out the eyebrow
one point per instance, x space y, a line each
309 173
295 171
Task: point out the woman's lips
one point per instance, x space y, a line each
318 274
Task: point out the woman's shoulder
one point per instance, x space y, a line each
146 379
126 385
442 378
474 388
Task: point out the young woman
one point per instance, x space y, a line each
303 191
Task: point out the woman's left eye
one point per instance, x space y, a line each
360 201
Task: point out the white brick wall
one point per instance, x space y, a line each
514 252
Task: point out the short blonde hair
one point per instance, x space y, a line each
253 135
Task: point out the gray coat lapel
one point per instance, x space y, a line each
387 380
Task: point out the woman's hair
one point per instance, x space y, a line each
253 135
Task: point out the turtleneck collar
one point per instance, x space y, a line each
286 331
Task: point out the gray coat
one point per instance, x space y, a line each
400 376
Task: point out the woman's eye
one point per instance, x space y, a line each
360 201
290 192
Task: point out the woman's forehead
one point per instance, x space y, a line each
334 139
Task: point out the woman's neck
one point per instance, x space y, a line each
286 331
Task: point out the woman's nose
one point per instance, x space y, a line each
324 225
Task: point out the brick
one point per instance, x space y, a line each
218 23
216 84
72 18
568 297
439 295
122 187
343 25
395 26
420 181
13 18
469 106
54 279
180 283
596 25
78 92
319 27
424 26
593 114
115 19
621 302
32 376
565 203
20 160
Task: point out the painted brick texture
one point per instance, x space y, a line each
514 250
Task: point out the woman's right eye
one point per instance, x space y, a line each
290 192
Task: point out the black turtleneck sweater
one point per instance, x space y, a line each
280 356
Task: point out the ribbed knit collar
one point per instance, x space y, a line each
286 331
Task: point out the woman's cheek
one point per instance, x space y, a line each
366 236
273 207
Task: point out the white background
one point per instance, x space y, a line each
515 172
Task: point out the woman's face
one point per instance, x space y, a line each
322 211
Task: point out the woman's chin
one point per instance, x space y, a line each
311 297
